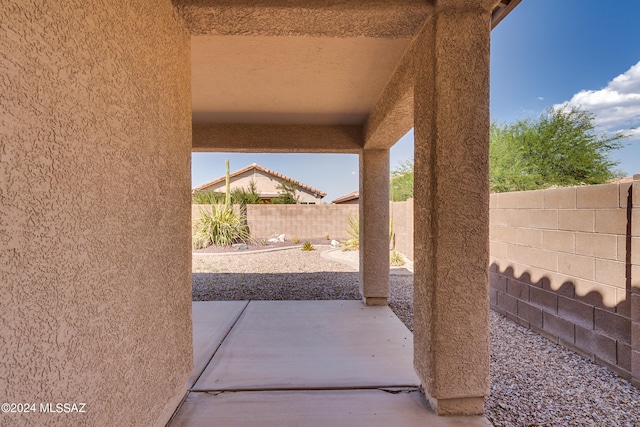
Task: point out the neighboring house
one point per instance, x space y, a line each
352 198
266 181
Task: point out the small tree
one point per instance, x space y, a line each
287 194
246 196
560 148
402 182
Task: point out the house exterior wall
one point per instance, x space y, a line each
267 186
561 264
95 140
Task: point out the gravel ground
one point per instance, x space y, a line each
534 382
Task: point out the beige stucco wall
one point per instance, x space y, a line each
451 190
267 186
561 264
94 210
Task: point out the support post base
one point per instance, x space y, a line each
374 301
457 407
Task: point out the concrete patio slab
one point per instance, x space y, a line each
279 345
352 408
211 324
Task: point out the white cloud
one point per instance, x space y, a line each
616 106
540 98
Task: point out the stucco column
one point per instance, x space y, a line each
451 196
635 282
374 226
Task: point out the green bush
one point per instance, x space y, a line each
207 198
222 227
286 194
307 246
246 196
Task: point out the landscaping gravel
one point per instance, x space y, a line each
534 382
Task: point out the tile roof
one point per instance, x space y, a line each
255 166
347 197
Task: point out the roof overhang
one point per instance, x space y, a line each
324 67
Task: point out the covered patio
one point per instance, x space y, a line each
338 78
102 106
304 363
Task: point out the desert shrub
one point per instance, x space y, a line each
222 227
353 230
295 240
307 246
396 259
246 196
207 198
286 194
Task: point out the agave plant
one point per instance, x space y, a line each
308 246
353 230
396 259
222 227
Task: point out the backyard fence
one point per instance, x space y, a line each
566 263
303 221
319 221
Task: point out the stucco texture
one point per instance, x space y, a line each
95 138
451 252
391 19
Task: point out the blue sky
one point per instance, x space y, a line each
545 53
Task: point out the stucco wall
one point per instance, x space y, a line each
94 210
561 264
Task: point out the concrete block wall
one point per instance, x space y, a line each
562 265
634 270
314 221
402 217
303 221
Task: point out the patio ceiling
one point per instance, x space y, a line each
329 71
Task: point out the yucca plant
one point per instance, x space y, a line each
222 227
307 246
353 230
396 259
